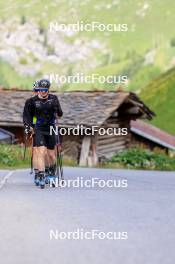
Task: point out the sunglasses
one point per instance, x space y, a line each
36 90
42 90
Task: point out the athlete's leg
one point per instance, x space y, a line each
35 158
35 161
51 156
41 152
47 163
51 143
47 159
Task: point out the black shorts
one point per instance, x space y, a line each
42 138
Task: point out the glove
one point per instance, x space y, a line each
27 130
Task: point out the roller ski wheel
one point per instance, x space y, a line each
42 182
47 180
36 181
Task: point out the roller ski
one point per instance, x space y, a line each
51 180
47 178
50 176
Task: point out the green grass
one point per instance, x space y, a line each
160 96
143 76
11 157
9 78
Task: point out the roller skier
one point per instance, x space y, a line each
44 108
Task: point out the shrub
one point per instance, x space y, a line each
135 158
12 155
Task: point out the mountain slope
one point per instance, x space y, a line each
141 53
160 96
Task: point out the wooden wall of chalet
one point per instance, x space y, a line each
138 141
107 145
71 146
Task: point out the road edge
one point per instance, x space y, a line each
5 179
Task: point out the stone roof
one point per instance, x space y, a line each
87 108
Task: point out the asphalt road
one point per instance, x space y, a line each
144 211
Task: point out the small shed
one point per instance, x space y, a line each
148 136
6 136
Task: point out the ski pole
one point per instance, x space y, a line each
25 146
31 160
59 160
60 165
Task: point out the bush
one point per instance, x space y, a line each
143 159
12 155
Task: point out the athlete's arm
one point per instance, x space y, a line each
58 109
28 113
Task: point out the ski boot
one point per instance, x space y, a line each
53 178
42 180
47 175
47 179
36 180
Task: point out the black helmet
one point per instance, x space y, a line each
35 85
43 83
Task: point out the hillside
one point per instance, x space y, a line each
160 96
29 50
